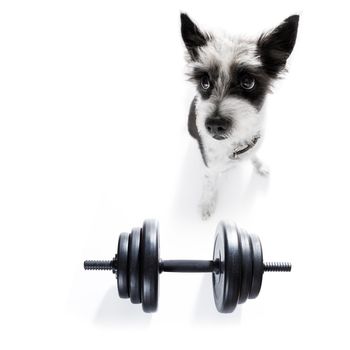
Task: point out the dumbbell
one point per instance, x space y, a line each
237 266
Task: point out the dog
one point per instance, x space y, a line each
232 75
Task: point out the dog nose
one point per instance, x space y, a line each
218 126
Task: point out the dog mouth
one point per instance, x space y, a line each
241 149
219 137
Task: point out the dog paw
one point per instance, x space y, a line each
207 209
260 167
263 170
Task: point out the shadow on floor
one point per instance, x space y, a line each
120 312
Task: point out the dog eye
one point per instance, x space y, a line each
205 82
247 82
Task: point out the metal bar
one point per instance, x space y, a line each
187 266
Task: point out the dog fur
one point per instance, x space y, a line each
233 76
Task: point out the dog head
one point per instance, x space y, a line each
233 76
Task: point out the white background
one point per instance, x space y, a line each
93 140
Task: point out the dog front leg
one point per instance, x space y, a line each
209 194
259 166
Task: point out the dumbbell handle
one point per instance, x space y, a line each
188 266
201 266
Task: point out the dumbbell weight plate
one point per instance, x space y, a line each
227 280
122 270
247 265
134 266
258 266
149 250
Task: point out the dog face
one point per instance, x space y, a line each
233 76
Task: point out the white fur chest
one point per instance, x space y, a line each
218 154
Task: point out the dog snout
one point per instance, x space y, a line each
218 127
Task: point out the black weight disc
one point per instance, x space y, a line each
122 270
149 250
258 266
134 266
227 280
247 266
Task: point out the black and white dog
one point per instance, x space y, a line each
232 76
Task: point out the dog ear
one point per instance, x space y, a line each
276 46
192 36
